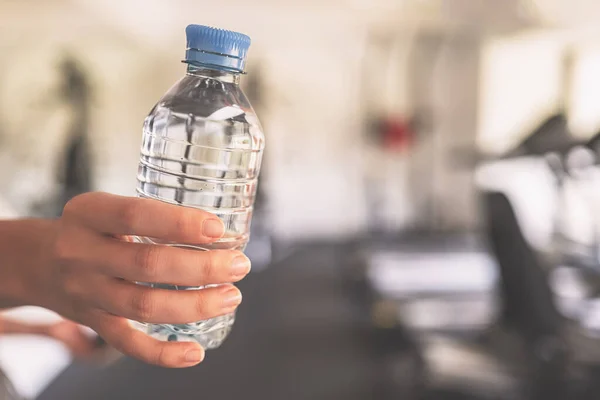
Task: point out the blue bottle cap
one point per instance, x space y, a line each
217 48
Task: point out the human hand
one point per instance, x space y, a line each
72 336
67 332
88 272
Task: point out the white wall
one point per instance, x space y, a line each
520 85
312 117
385 94
456 99
313 124
584 104
312 55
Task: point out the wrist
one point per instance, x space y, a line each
24 245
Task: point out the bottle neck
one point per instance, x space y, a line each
221 75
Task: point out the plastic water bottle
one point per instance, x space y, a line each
202 147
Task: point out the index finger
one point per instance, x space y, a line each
119 215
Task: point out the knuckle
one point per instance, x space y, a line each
208 260
185 223
71 206
161 357
130 215
143 305
71 285
62 250
203 308
122 341
76 203
148 261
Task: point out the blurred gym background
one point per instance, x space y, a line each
428 219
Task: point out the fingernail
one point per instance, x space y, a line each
232 298
240 266
194 356
213 228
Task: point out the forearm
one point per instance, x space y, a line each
22 245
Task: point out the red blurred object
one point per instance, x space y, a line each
397 134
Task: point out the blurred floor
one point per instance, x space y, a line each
296 338
300 336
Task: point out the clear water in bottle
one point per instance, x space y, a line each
202 147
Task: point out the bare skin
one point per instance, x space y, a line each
67 332
82 267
